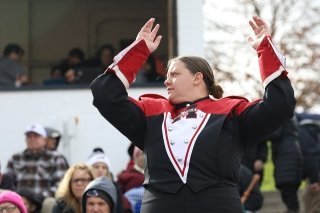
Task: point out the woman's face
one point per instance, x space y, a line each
9 207
80 179
100 169
179 83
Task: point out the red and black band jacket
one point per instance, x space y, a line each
200 143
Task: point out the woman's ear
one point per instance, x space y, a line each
198 78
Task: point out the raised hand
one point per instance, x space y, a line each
150 35
260 29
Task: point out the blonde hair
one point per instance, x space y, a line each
64 191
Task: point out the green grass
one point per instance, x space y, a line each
268 183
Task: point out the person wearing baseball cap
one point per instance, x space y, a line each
36 128
35 138
11 202
36 167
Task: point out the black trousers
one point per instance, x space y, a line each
289 195
222 199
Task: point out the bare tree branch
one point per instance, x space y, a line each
295 29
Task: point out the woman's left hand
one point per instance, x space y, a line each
260 29
150 35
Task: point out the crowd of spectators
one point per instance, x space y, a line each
74 69
41 176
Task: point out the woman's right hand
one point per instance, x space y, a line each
150 35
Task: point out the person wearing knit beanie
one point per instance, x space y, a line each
11 202
100 163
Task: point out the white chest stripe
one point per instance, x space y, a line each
179 139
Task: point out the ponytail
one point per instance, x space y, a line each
216 91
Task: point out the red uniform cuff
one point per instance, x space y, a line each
271 61
128 62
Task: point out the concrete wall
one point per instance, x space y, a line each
71 112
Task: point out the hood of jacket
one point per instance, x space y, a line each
103 184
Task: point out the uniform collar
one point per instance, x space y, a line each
189 103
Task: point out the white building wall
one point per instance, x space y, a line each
190 23
61 109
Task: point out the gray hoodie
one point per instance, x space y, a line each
103 184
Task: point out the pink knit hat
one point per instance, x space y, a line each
14 198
